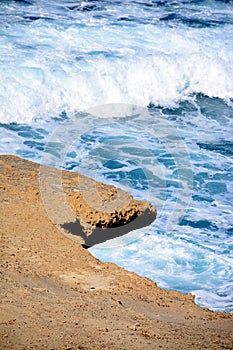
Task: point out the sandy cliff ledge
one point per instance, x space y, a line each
91 211
55 295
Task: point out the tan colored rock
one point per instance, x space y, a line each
81 206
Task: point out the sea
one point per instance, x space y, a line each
138 94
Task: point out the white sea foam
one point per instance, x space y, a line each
74 68
177 263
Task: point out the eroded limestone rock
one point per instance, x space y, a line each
90 210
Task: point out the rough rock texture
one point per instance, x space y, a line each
83 207
56 295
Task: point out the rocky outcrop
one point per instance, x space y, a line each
91 211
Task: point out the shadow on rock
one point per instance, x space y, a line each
100 235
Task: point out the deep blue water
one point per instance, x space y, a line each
138 94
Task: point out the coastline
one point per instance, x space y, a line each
56 295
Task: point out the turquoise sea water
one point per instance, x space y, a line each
138 94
